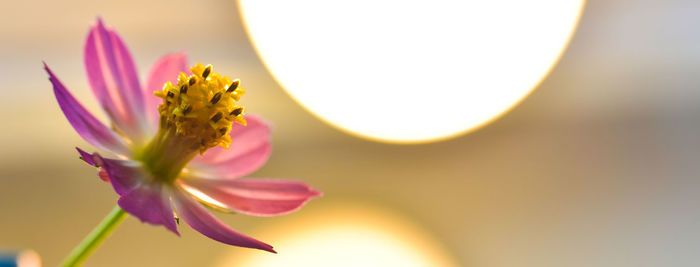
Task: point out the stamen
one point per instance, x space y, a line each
206 72
233 86
215 99
236 112
201 108
217 117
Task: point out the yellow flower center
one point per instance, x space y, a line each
202 106
196 114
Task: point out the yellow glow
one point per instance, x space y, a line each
409 71
204 198
344 235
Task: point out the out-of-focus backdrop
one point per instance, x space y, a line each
598 167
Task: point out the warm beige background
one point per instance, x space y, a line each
599 167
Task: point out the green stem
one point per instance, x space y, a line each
83 250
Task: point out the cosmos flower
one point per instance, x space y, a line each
171 142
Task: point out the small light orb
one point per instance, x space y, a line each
409 71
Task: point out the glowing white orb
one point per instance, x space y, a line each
409 71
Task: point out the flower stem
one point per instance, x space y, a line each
95 238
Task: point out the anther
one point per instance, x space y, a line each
183 89
215 99
236 112
193 80
187 109
222 131
206 72
233 86
170 94
217 117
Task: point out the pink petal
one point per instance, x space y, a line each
166 69
125 175
250 149
207 224
114 81
140 197
87 126
259 197
150 204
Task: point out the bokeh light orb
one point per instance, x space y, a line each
409 71
345 234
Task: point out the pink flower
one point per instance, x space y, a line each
161 165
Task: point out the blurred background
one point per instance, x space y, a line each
597 167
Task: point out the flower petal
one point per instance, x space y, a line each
125 175
207 224
259 197
250 149
87 126
151 204
87 157
146 201
114 81
166 69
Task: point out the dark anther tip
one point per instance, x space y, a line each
183 89
236 112
222 131
193 80
187 110
217 117
215 99
170 94
233 86
207 71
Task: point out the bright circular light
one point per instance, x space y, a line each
344 235
409 71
